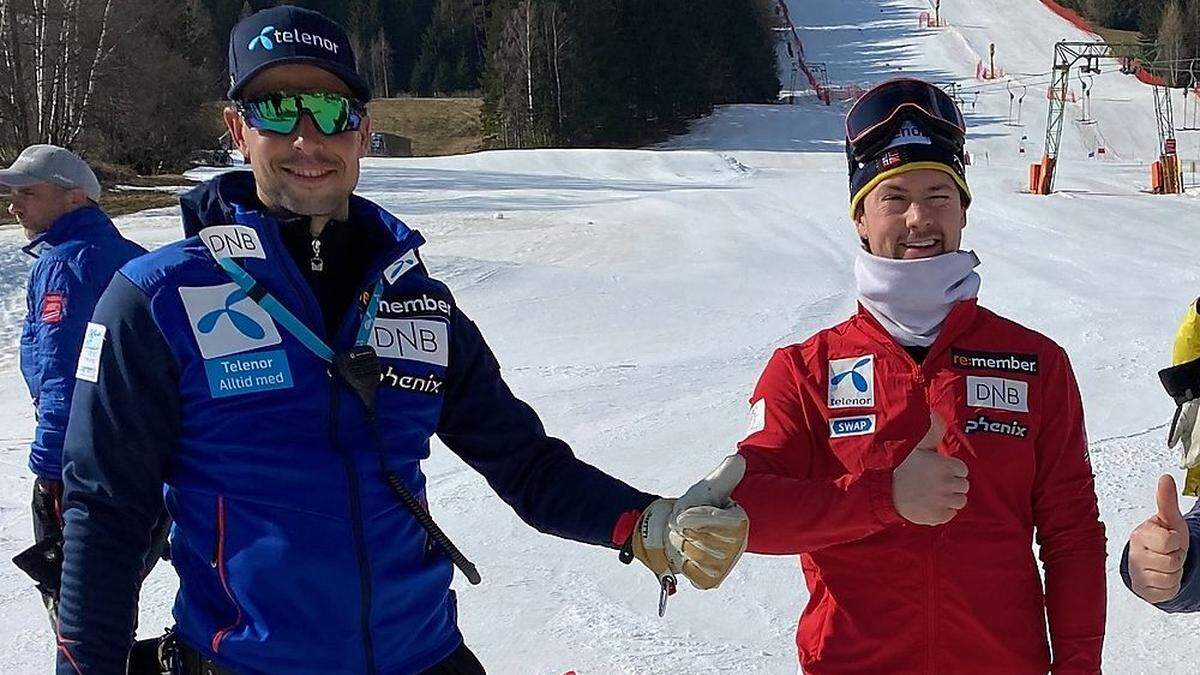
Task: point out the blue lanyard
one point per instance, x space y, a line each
290 323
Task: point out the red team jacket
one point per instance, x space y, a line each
831 419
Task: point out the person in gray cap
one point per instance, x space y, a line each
77 249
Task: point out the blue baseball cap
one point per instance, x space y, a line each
289 34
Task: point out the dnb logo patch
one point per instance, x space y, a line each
997 393
232 241
53 305
225 321
860 425
852 382
424 340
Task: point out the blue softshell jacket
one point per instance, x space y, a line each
292 554
74 261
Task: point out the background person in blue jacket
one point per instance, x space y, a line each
281 372
77 249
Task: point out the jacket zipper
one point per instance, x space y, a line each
300 286
218 562
364 565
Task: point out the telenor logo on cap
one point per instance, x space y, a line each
909 134
293 36
264 39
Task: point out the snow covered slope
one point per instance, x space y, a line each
634 296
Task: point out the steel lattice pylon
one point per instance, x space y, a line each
1168 161
1066 55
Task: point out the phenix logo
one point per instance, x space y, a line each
852 382
983 424
293 36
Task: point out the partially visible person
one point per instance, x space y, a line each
77 249
912 454
1161 563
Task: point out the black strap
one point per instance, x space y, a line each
192 662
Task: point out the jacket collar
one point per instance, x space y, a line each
220 200
85 222
961 316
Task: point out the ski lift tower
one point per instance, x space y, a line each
1165 175
1066 55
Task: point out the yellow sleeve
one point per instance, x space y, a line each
1187 338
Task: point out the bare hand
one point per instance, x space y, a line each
1158 548
928 488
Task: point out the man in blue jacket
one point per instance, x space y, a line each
281 372
77 250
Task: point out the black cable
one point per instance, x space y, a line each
419 512
359 368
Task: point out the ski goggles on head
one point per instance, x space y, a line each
280 112
875 117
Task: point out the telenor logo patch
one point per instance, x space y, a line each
852 382
852 426
225 321
1004 362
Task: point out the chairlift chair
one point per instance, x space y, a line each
1086 106
1188 91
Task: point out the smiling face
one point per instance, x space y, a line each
917 214
305 172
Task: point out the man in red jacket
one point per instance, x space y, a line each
911 454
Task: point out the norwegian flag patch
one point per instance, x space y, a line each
891 159
53 305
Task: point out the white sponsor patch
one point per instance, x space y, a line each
909 134
758 417
89 357
852 382
423 340
397 269
225 321
860 425
232 241
997 393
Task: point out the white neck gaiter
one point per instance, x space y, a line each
911 298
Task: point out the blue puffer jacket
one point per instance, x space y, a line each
292 554
76 258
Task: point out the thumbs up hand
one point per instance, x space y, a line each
929 488
1158 548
